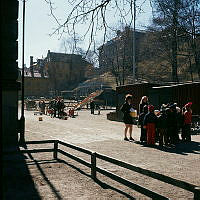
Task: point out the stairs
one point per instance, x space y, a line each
88 99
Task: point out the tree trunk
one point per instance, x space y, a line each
174 61
174 43
191 74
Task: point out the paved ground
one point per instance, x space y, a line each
96 133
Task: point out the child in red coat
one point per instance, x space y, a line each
150 121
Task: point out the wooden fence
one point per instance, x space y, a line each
94 168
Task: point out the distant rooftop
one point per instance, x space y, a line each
27 73
62 57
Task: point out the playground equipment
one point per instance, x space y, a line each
88 99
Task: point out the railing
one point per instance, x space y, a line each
94 168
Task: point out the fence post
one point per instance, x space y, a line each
196 193
55 152
93 165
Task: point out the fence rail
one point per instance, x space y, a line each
83 150
94 169
131 185
155 175
75 158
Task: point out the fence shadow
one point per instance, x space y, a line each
17 182
181 148
52 187
100 183
106 186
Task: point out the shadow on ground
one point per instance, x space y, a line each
100 183
18 183
183 148
16 180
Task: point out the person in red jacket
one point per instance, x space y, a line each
150 121
187 115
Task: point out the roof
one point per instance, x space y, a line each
137 84
176 85
115 39
27 73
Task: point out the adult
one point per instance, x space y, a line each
99 109
40 106
162 126
143 136
51 108
187 114
43 106
92 107
59 107
54 107
128 120
143 102
173 124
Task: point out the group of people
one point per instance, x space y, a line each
162 126
55 107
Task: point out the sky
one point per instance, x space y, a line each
39 25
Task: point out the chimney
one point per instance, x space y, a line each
31 66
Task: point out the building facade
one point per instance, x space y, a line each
117 54
53 74
36 81
65 71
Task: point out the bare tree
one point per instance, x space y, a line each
116 55
95 15
178 22
190 22
70 45
166 16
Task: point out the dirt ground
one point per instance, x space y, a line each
68 179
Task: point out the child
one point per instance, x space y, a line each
187 114
143 137
162 126
150 120
98 108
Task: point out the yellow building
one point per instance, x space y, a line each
36 85
56 72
